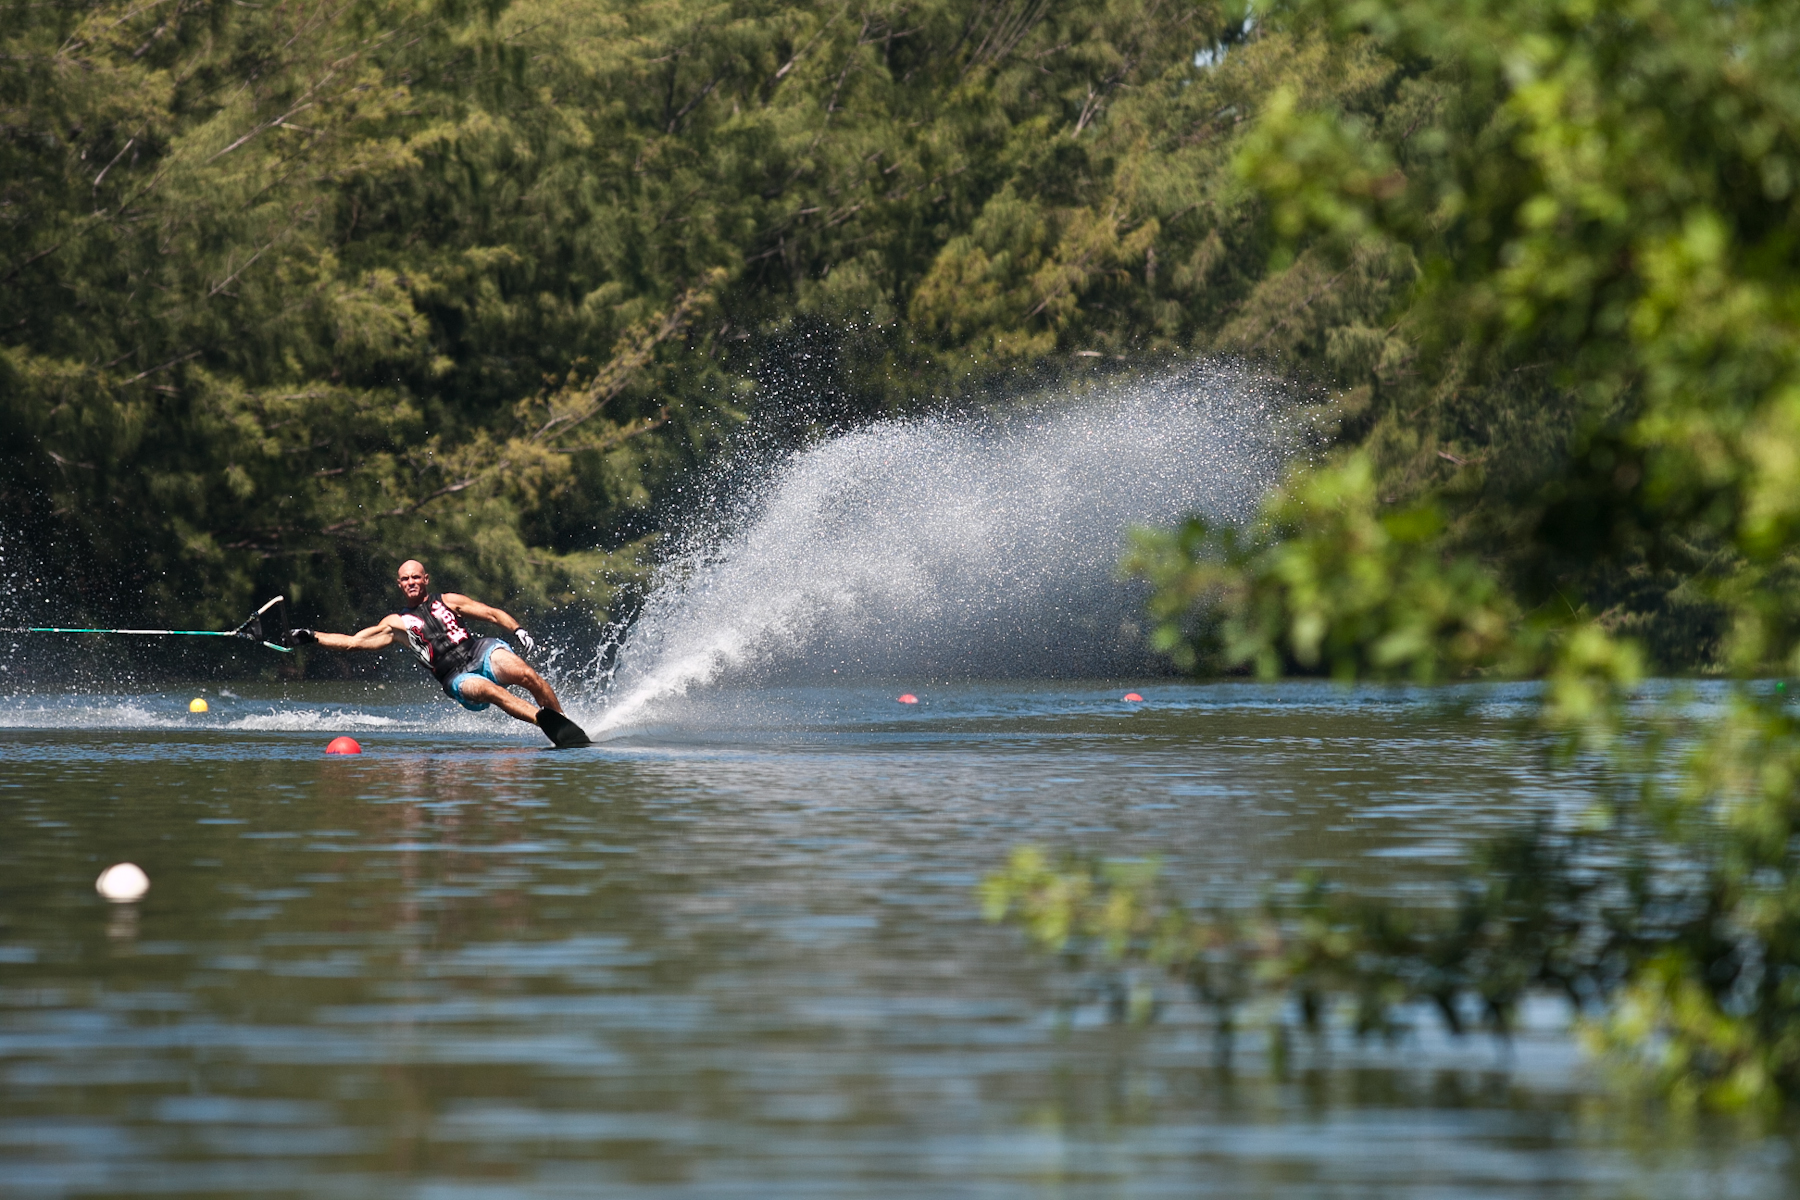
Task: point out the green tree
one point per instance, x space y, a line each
238 357
1609 192
291 291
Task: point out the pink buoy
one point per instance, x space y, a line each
343 745
1134 698
909 698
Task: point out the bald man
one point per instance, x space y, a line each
475 671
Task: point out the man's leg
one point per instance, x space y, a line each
512 671
477 690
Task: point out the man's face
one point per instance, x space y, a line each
414 582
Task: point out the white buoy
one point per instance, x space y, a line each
122 883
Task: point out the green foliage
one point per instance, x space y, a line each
281 286
1598 198
1669 917
288 292
1525 921
1323 579
1650 954
1608 191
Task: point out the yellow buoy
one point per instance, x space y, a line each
196 705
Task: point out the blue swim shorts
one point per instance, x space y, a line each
482 666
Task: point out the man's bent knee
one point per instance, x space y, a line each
513 671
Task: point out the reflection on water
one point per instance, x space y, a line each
739 955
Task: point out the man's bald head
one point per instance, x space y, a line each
414 582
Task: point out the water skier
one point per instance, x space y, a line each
475 671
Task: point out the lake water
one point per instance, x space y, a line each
739 954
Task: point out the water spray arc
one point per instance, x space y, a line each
951 548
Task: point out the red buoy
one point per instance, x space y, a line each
909 698
1134 697
343 745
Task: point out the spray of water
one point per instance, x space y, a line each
951 548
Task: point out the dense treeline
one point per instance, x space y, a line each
291 289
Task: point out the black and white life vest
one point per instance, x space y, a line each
438 636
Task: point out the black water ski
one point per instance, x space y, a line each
564 732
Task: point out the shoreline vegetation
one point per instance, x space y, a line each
290 290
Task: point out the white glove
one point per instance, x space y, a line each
526 642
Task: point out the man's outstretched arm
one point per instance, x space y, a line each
374 637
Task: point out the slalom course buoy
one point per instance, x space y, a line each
196 705
122 883
343 745
908 698
1133 698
